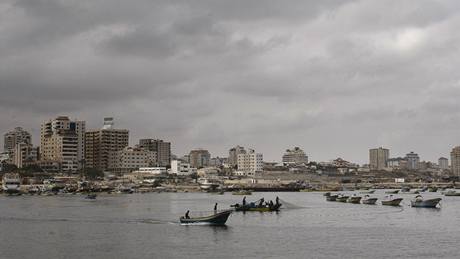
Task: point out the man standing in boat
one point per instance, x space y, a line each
244 200
186 214
277 200
215 208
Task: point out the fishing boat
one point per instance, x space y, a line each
390 201
332 197
452 193
392 192
354 199
419 202
367 192
258 206
368 200
219 218
342 198
327 194
91 196
433 189
11 183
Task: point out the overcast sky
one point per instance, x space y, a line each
332 77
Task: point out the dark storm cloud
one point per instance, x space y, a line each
334 77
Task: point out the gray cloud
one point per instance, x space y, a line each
334 77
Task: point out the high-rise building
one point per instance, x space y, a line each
412 161
443 163
455 160
233 155
14 137
130 159
162 148
378 158
250 162
199 158
62 141
100 143
295 156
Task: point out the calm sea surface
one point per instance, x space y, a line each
145 226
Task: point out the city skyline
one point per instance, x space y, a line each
335 80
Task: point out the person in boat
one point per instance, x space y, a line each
215 208
244 200
186 214
277 200
270 204
261 203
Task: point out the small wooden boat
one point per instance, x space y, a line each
354 199
392 202
332 197
367 192
219 218
368 200
452 193
253 207
327 194
419 202
433 189
392 192
91 196
342 198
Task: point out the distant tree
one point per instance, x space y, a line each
32 169
92 173
9 168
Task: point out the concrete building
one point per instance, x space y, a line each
233 155
199 158
62 141
295 156
25 154
162 148
378 158
181 168
14 137
413 161
443 163
130 159
455 160
250 162
100 143
396 163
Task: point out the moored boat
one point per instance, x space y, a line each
342 198
368 200
452 193
390 201
433 189
219 218
354 199
367 192
392 192
332 197
419 202
11 183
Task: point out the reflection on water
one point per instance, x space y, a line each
147 226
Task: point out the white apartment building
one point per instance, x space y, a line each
443 163
250 162
62 141
181 168
295 156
